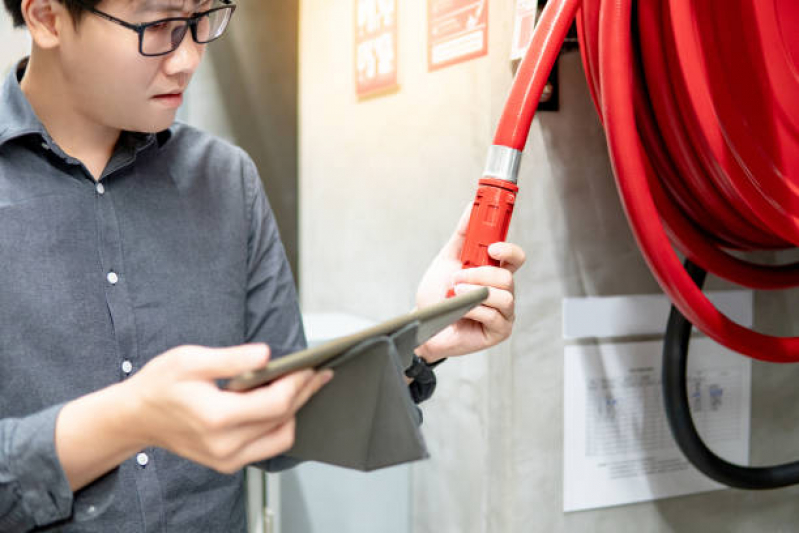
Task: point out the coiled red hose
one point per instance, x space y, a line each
710 167
700 104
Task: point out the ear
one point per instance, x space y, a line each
45 20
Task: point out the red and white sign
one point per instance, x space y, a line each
526 13
457 31
375 46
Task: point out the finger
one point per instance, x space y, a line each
495 326
311 388
510 256
220 363
252 443
500 300
278 441
224 443
280 399
486 276
454 246
288 409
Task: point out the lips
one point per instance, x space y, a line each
169 99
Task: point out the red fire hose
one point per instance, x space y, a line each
496 194
700 103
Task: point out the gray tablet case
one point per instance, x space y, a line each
364 418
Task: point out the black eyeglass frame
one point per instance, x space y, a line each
191 24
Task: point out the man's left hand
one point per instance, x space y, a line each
485 325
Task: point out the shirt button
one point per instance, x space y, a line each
127 367
100 188
112 278
142 459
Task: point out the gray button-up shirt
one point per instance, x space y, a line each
176 244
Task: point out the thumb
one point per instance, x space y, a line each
454 246
219 363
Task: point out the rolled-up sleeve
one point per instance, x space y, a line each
34 490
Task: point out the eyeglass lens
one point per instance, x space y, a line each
166 36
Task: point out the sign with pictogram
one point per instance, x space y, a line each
457 31
375 46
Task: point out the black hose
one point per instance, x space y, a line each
678 412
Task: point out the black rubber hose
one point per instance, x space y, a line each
678 412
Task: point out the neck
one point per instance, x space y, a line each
47 90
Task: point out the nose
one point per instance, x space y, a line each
186 58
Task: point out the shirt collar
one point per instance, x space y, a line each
20 120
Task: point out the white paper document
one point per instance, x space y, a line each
641 314
618 448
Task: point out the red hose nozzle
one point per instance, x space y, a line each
488 223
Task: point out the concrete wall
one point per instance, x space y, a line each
14 43
383 181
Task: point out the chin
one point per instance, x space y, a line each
154 125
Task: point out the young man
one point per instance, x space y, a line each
141 263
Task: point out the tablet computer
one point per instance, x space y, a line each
431 320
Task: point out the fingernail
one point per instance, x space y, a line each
327 375
495 249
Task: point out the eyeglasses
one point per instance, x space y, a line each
163 36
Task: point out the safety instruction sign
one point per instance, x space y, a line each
457 31
375 46
524 24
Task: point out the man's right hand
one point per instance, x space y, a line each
173 402
186 413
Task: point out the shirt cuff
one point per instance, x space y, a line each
34 490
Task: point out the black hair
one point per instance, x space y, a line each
14 7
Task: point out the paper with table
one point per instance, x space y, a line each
617 444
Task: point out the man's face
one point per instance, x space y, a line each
110 83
